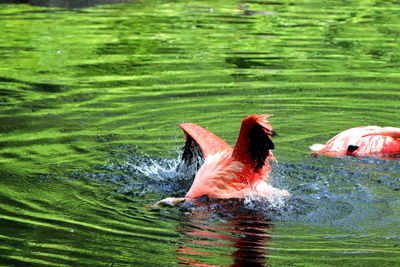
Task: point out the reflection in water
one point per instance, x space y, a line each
225 225
66 3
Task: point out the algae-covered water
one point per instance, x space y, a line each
91 93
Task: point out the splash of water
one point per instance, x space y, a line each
334 192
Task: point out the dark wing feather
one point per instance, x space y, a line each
259 145
192 154
254 141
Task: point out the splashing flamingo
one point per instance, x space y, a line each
230 172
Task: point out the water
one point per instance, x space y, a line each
91 96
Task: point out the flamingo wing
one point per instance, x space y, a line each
385 131
254 142
197 136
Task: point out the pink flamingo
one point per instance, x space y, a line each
362 141
226 172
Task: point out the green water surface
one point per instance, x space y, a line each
91 94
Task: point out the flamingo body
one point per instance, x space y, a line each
232 172
362 141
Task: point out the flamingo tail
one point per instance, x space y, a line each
317 147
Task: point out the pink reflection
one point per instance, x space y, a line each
211 238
